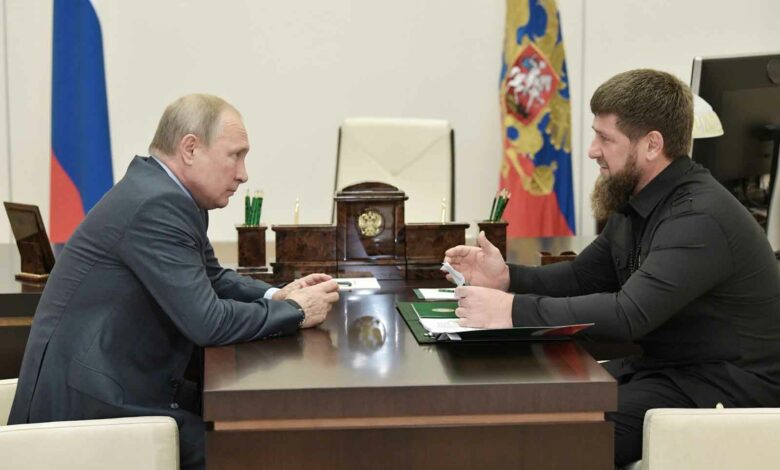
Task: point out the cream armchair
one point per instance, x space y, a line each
710 439
149 442
415 155
7 392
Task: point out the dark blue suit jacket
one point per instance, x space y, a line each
134 291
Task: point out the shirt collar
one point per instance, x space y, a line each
173 177
649 197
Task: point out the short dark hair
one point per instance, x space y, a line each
647 100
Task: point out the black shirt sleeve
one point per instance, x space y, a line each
685 260
592 271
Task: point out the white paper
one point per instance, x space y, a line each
437 294
457 277
357 283
444 325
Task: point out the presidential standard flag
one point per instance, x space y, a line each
80 143
536 122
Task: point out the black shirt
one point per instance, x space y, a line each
686 272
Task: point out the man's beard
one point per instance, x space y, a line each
612 192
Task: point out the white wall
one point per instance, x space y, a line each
297 69
667 35
28 60
5 181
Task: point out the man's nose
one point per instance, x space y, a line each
594 151
241 174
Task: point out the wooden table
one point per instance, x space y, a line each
360 392
19 300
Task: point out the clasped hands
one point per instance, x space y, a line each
484 303
315 293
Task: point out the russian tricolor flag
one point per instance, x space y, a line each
80 142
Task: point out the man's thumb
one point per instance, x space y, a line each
328 286
483 242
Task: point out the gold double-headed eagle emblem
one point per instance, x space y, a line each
370 222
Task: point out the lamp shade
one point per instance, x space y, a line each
705 122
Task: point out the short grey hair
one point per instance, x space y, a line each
197 114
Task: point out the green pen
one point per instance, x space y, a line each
247 208
503 206
252 211
500 205
344 283
255 209
499 198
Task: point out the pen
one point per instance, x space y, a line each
499 206
254 210
447 290
344 283
247 209
504 202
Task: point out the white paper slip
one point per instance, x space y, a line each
457 277
450 327
438 294
444 325
357 283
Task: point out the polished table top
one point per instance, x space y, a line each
20 299
519 250
363 362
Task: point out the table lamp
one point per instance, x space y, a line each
705 122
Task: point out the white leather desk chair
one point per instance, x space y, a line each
710 439
415 155
142 443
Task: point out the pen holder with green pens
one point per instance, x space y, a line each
251 235
253 207
495 226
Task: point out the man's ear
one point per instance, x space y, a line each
655 145
187 147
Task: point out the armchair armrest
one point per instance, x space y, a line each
7 391
710 438
148 442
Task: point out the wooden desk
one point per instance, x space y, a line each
18 301
343 395
359 392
